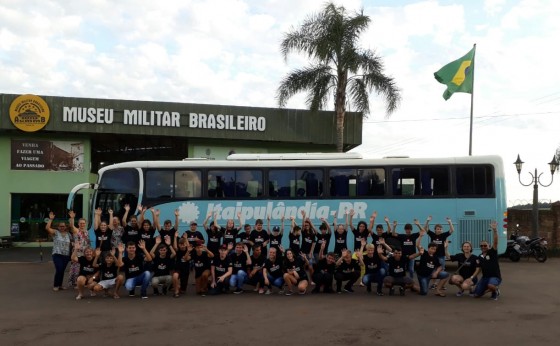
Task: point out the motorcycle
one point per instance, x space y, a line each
520 245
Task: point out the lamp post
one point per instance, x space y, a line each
536 181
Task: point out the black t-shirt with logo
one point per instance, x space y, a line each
181 263
170 232
257 262
108 272
488 264
258 237
239 262
193 237
162 266
439 239
372 263
274 268
340 241
130 234
214 240
467 266
427 264
322 238
348 267
323 266
230 235
86 266
295 243
276 241
397 268
298 265
133 267
103 239
221 266
358 236
148 238
200 262
307 240
408 243
245 238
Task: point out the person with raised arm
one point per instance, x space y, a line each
380 233
362 231
308 239
409 241
221 269
168 229
116 235
439 237
294 272
163 264
255 275
108 273
396 274
134 267
193 235
147 231
182 265
325 267
61 250
429 268
294 236
213 232
276 234
131 232
241 260
323 237
88 269
347 269
230 232
341 235
489 265
259 236
80 235
103 232
373 265
201 258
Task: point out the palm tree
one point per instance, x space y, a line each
339 68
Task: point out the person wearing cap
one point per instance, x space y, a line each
213 233
255 275
273 273
193 235
245 237
259 236
240 260
221 269
200 258
275 236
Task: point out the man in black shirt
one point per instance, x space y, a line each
240 260
490 267
429 268
163 263
221 270
134 268
347 269
324 271
396 273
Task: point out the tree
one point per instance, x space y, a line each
339 68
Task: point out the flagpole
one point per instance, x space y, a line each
472 102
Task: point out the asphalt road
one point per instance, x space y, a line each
527 313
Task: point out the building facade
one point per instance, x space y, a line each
50 144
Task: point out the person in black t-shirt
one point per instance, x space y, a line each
134 268
273 272
131 233
373 265
489 266
245 237
108 274
230 231
201 258
360 232
275 235
307 237
409 242
324 236
182 265
255 274
396 273
347 269
213 232
221 269
295 236
323 274
86 276
103 232
163 263
466 276
193 235
439 237
259 236
294 272
240 260
429 268
341 235
167 229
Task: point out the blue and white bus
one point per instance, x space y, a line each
469 190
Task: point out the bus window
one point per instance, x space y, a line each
240 183
370 182
188 184
342 182
296 183
313 181
474 180
435 181
159 184
406 181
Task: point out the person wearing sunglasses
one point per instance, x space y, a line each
489 266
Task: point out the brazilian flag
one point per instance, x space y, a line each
457 75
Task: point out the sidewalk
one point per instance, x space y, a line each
25 254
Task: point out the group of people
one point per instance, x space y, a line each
129 253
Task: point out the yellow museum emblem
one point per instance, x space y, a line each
29 113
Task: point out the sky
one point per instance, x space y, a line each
228 52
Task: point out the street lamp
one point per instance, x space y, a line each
536 181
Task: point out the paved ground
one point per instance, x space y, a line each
526 314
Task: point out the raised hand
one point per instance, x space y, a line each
176 212
374 214
51 215
121 248
167 240
112 252
230 246
98 211
127 207
156 212
448 220
416 222
142 244
97 252
158 240
110 211
352 212
71 213
429 218
386 219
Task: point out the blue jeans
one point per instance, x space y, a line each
60 262
442 262
237 280
142 280
411 268
367 279
424 281
483 285
278 282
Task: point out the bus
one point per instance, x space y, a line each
468 190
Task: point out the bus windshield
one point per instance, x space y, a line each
116 189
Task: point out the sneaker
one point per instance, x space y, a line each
401 290
391 291
268 291
433 287
56 289
459 294
289 293
380 294
281 292
238 291
261 290
78 297
348 290
338 291
495 295
144 296
176 295
302 293
471 294
131 293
